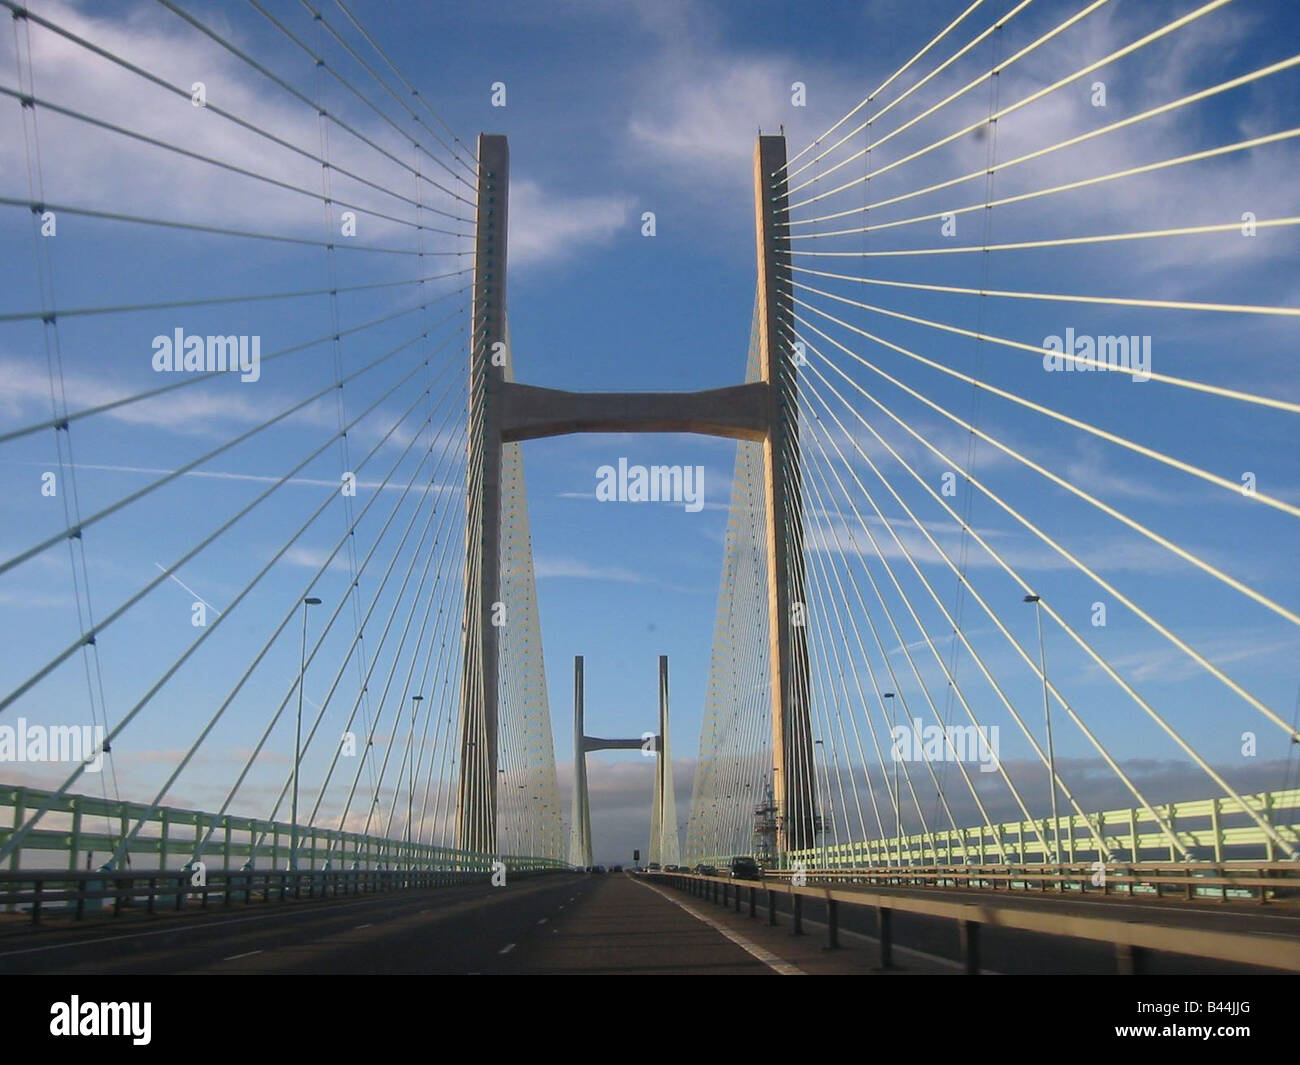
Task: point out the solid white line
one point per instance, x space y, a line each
765 956
542 921
506 949
246 954
305 911
361 926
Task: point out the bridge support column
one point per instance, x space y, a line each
476 810
664 844
885 927
580 845
793 791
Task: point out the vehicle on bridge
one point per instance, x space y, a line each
706 870
745 868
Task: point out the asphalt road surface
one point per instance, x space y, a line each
563 923
558 923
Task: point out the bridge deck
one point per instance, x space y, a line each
558 924
584 924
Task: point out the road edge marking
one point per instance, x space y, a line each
777 965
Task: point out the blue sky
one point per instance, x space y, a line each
612 110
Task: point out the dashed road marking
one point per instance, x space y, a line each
246 954
506 949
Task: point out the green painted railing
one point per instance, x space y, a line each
80 828
1217 830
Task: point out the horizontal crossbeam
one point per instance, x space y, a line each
595 743
528 412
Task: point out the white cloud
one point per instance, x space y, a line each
94 168
545 227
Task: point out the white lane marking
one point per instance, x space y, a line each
307 911
506 949
765 956
542 921
361 926
246 954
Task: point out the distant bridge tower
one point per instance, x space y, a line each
766 411
664 845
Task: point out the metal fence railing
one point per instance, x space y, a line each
43 892
78 828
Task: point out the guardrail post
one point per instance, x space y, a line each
885 923
753 898
738 897
832 924
797 905
771 907
1130 960
970 945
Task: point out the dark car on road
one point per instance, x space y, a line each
746 869
706 870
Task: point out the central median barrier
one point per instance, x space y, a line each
45 892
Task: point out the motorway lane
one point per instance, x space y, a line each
624 928
561 923
430 930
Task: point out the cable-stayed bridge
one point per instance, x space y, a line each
1007 603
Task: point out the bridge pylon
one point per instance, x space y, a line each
765 411
793 780
664 845
476 806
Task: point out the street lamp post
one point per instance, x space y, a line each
1047 716
297 735
519 832
410 780
898 805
